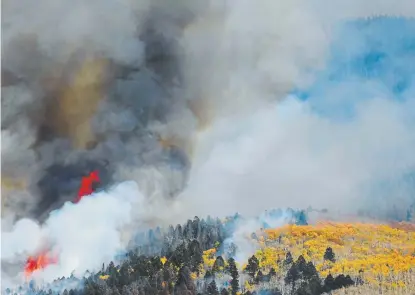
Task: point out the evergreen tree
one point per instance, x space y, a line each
126 291
233 271
252 267
288 258
124 275
115 291
196 255
212 289
180 255
329 284
329 255
184 281
196 227
342 281
259 277
113 275
218 265
310 271
292 276
89 289
301 264
301 218
209 274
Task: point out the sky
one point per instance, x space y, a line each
343 142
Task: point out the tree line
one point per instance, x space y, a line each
171 263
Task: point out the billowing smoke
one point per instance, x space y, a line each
75 246
180 97
84 89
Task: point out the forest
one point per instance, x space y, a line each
198 257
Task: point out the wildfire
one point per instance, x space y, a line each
44 259
39 262
86 185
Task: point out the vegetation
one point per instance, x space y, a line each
326 258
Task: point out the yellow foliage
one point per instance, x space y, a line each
249 287
104 277
163 260
209 257
383 253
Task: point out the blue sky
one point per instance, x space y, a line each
368 57
344 143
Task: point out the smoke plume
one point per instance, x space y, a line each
191 101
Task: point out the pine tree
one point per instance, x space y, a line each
301 218
288 258
180 255
115 291
233 271
196 255
184 281
209 274
218 265
292 276
252 267
212 289
301 264
310 271
259 277
329 283
329 255
124 275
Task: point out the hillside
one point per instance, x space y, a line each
196 258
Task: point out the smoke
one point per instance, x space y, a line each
93 223
191 101
129 93
241 245
82 90
343 142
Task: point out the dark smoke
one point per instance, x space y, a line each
123 86
63 129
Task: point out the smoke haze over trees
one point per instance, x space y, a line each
195 108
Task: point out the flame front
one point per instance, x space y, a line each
86 185
40 262
44 258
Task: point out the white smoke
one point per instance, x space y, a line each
241 237
240 56
63 27
287 156
82 235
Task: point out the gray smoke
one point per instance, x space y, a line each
90 86
124 87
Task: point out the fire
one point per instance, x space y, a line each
39 262
44 258
86 185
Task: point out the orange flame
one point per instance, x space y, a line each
86 185
39 262
44 259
